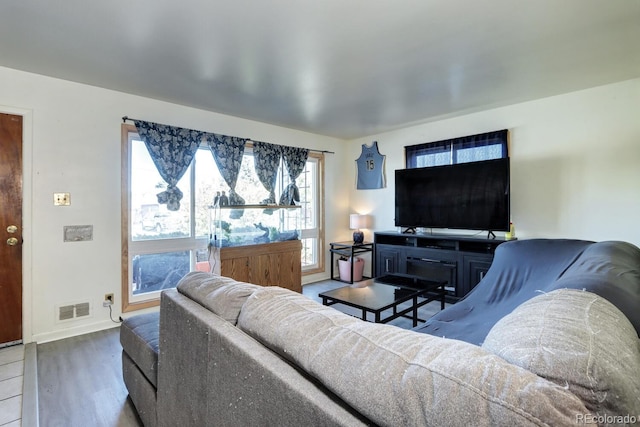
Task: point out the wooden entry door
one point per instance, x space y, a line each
10 229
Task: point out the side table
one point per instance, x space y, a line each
350 250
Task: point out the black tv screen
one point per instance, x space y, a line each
472 196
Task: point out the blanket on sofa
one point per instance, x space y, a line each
524 269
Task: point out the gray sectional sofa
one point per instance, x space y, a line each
232 353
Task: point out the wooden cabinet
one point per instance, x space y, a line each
268 264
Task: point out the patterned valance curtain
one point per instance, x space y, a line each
227 152
294 159
172 149
266 158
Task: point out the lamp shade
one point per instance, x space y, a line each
357 221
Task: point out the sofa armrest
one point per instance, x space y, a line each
182 379
212 373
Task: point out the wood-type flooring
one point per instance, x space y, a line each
80 378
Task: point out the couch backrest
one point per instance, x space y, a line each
399 377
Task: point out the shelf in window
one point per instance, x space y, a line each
257 207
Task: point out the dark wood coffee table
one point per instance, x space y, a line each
374 296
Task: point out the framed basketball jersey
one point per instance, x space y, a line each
370 168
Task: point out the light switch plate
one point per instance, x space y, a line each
61 199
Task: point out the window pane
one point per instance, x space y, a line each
150 220
309 252
476 154
423 155
249 186
472 148
307 185
310 201
202 260
154 272
308 189
436 159
208 181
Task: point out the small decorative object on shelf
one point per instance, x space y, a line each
224 200
511 234
220 199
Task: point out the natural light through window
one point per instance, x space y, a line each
163 245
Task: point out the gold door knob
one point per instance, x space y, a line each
12 229
12 241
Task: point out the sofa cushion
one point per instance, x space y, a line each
578 340
400 377
139 339
221 295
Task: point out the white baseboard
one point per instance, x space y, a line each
73 331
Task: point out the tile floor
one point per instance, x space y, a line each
11 381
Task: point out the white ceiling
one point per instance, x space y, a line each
344 68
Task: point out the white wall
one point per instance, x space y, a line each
72 144
575 163
574 157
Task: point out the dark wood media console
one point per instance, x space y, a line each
461 261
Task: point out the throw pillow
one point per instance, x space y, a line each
578 340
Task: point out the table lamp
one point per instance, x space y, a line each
356 222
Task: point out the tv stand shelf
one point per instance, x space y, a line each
461 261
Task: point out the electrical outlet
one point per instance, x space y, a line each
108 300
61 199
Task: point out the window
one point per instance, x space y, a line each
309 184
485 146
161 246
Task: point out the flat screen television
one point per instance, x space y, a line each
472 196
